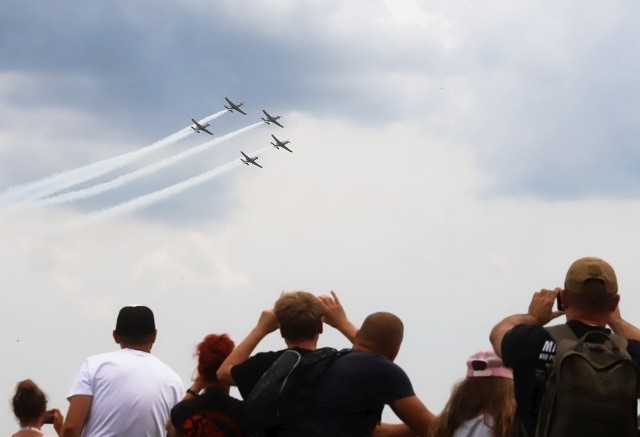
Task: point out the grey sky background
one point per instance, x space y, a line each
449 160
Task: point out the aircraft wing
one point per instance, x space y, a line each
255 163
233 107
204 129
276 122
245 155
286 148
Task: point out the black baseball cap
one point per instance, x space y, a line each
135 320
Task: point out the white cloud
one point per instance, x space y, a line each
389 209
388 217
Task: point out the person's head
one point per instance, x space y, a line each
135 327
29 403
299 315
590 287
211 352
487 390
381 333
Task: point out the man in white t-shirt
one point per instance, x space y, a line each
128 392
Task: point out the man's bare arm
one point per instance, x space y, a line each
393 430
623 328
540 313
79 407
414 414
336 316
267 323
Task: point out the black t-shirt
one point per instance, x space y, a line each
529 350
247 374
211 414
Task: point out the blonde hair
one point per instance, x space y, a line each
299 314
490 396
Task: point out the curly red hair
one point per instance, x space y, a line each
211 352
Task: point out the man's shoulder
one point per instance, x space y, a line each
355 361
103 357
523 341
266 356
256 363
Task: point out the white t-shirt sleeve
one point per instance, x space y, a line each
476 427
82 385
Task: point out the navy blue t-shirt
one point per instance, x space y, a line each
352 393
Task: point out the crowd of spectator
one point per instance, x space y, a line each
130 392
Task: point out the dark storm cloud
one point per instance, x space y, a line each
166 58
551 96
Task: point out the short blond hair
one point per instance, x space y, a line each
299 314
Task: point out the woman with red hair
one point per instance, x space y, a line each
207 408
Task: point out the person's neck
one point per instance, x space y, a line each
30 426
138 347
589 319
310 344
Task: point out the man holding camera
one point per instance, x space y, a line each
590 302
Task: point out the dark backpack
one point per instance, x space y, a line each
592 389
283 393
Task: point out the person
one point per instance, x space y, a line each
125 392
481 405
349 399
299 315
207 408
590 300
30 408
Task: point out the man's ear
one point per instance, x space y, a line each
564 298
394 353
614 304
152 337
116 337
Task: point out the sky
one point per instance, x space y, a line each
449 159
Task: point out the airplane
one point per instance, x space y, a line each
282 144
249 160
199 127
233 107
271 119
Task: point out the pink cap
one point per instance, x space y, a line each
487 363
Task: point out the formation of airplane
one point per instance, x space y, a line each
271 119
249 160
234 107
201 127
280 143
268 119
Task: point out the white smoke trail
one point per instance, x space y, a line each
144 171
57 182
151 198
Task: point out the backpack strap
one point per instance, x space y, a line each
560 333
564 338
